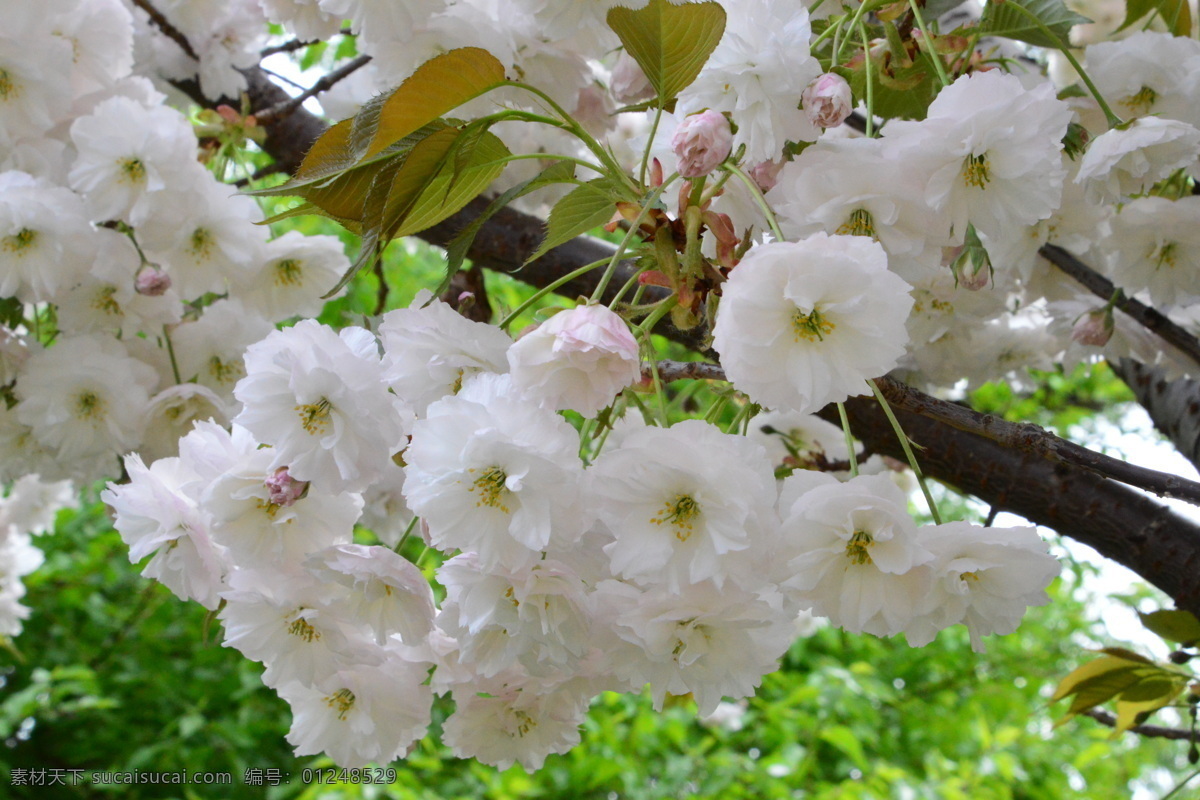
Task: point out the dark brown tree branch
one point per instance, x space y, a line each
1151 319
1152 731
1174 405
676 370
284 108
164 25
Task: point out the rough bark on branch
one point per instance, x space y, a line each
1121 523
1173 405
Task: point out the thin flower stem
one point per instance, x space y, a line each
171 353
407 532
540 293
931 50
659 391
907 446
664 308
583 162
1180 785
614 169
649 145
841 407
862 32
839 46
1065 49
629 234
759 200
715 409
629 284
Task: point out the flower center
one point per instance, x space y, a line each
811 326
342 700
314 417
858 549
859 223
104 301
88 405
1141 102
227 371
202 242
21 240
523 724
133 170
1166 255
8 88
493 488
976 171
679 512
288 272
301 628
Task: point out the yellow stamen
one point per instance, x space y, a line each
493 488
811 326
342 700
976 171
679 513
858 548
314 417
859 223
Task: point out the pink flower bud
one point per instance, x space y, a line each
152 282
766 175
827 100
284 489
1094 328
629 84
701 142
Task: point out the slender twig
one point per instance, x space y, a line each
164 25
1151 319
1152 731
326 82
678 370
293 45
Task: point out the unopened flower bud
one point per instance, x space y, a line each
629 84
152 282
701 142
284 489
1094 328
766 175
827 100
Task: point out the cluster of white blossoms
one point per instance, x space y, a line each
149 276
670 557
26 511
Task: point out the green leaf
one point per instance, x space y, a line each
899 91
12 311
1146 698
438 86
1177 14
669 42
1097 668
456 249
1011 19
585 207
844 739
1174 625
458 182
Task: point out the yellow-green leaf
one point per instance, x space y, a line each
1128 655
1012 20
1174 625
583 208
1090 671
1177 14
457 183
669 41
1158 692
437 87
